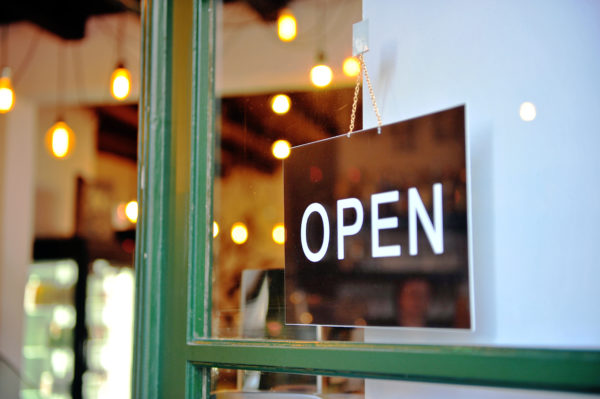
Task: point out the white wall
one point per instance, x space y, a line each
535 207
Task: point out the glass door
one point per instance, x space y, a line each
209 256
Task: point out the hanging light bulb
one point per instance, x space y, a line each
281 149
286 26
7 94
351 67
131 211
321 75
120 82
280 104
60 139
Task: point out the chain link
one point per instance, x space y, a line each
363 66
355 101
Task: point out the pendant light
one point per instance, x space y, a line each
7 94
60 138
286 26
120 80
321 74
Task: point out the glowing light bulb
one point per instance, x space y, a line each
527 111
215 229
351 67
281 149
281 104
321 75
131 211
60 139
7 94
239 233
286 26
120 83
278 233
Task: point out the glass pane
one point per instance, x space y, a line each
530 151
266 102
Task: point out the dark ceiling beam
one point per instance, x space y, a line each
252 149
127 114
267 9
64 18
255 113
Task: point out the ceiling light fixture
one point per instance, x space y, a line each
281 104
60 138
239 233
7 94
286 26
120 80
131 211
281 149
351 67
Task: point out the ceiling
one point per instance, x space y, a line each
65 18
247 125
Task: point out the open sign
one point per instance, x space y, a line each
368 214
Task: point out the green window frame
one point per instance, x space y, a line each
173 349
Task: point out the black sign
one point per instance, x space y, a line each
377 227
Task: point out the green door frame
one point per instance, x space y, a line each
173 348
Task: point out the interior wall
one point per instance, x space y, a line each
120 172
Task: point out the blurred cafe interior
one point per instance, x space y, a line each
68 175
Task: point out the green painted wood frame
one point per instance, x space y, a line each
173 348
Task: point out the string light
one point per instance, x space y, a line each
281 149
280 104
215 232
120 83
7 94
60 139
286 26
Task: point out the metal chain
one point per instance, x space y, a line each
355 101
372 94
363 66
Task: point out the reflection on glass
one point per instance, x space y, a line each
527 111
48 359
253 67
243 384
